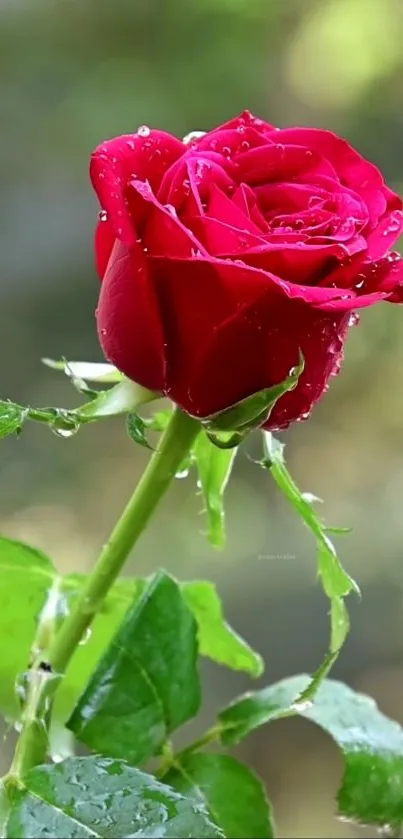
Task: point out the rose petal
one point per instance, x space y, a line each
351 167
257 347
385 234
193 302
104 241
277 162
129 156
129 319
162 230
246 118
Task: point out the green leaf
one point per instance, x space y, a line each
336 583
33 601
372 745
214 467
123 398
253 411
217 640
146 685
94 796
136 429
12 417
234 796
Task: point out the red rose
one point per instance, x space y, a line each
224 256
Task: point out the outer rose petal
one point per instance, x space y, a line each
351 167
130 156
257 348
129 320
243 119
206 303
104 242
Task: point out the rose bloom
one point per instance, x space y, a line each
224 255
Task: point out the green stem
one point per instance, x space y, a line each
174 445
165 462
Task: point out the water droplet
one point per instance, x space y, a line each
394 223
171 209
244 145
86 637
144 131
196 252
226 151
183 473
103 215
304 416
302 705
193 136
131 144
354 319
360 282
103 331
394 256
64 432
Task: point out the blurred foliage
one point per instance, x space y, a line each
73 72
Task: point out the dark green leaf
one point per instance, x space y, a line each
34 599
12 417
136 429
230 791
337 584
146 685
253 411
214 467
217 640
372 745
93 796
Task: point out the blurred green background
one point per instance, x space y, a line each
74 72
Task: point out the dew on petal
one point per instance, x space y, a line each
103 215
144 131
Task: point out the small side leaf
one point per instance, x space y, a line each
99 797
217 640
146 684
12 417
337 584
136 429
214 467
372 745
234 796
